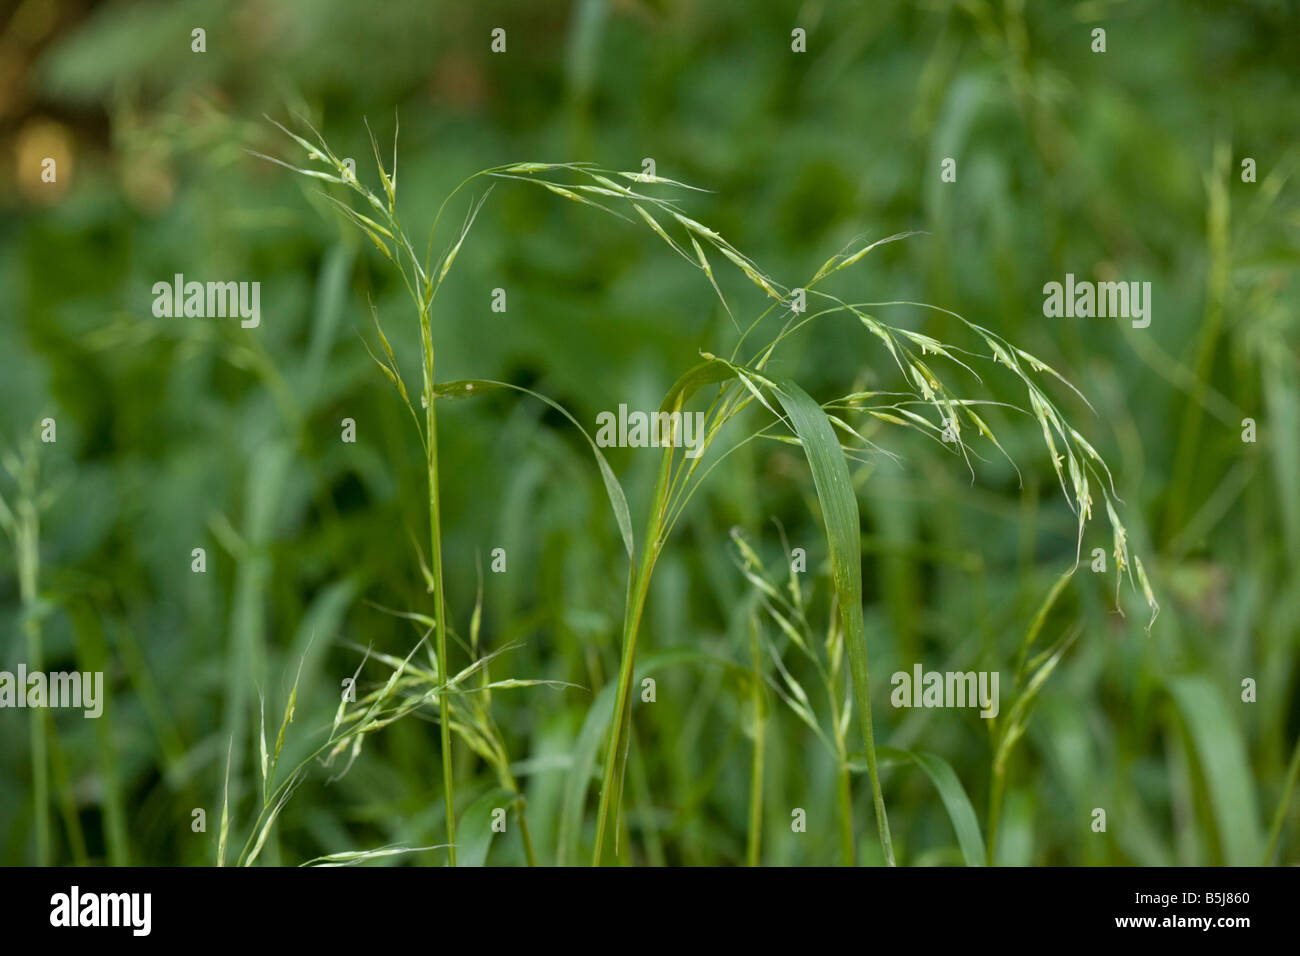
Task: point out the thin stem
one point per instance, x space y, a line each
995 808
756 766
611 784
855 637
435 557
76 837
40 781
845 797
631 626
435 547
843 783
528 838
27 535
877 798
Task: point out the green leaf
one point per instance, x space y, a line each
1221 756
960 810
839 504
474 827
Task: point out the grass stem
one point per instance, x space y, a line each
753 844
844 794
24 525
612 783
440 615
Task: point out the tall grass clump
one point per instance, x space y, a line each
830 434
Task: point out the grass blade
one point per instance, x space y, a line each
1221 756
476 827
839 506
960 810
617 500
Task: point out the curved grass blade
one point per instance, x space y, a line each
960 810
476 827
1222 760
839 504
468 388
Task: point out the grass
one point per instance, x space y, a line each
423 287
817 429
1066 161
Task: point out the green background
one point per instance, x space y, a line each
182 433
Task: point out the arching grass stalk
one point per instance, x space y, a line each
815 428
423 289
423 282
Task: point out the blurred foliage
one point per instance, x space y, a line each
183 433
